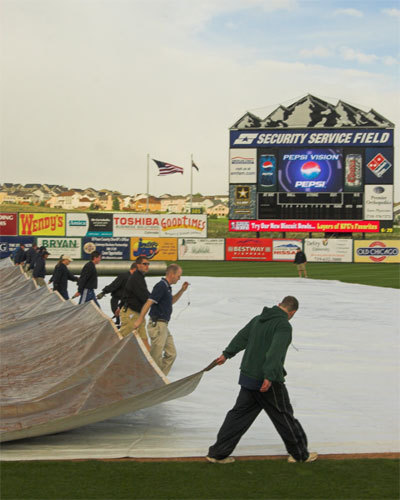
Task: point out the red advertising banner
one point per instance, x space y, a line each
8 224
306 226
248 249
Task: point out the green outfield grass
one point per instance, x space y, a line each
387 275
269 479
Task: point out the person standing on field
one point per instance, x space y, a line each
134 297
39 271
265 341
300 260
160 305
61 276
87 282
116 288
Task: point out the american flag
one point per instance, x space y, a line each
167 168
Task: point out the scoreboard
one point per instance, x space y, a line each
308 175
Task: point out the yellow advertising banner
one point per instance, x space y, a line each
41 224
374 251
154 248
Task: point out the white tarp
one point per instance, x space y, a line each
65 365
343 379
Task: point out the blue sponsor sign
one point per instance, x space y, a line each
311 170
10 243
110 248
314 137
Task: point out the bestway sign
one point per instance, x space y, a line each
303 137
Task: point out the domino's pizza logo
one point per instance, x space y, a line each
379 165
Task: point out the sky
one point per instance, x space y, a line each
91 87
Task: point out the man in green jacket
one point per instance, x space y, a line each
262 375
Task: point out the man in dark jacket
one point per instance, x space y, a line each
20 255
30 258
266 340
134 296
39 271
87 282
61 276
300 260
116 288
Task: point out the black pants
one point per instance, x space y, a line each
114 306
275 402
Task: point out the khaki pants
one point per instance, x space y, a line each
40 281
162 345
128 318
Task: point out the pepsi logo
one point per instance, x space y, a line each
310 170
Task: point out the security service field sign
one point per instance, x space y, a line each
91 224
61 246
41 224
383 251
328 250
160 225
8 224
154 248
201 248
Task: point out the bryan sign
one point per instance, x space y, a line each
35 224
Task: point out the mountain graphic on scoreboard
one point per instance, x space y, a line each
313 112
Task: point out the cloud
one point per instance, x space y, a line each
392 12
389 60
349 54
349 12
319 51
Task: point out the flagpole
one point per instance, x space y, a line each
148 181
191 182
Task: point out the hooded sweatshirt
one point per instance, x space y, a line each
266 339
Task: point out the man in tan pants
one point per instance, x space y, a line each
134 296
160 305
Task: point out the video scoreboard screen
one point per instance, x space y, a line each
327 175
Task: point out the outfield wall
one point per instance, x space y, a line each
215 249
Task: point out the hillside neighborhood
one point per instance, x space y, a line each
56 196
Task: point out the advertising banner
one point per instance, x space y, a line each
285 250
61 246
242 201
328 250
243 166
41 224
154 248
110 248
201 249
312 226
384 251
255 249
8 224
306 137
91 224
378 202
267 177
162 225
315 170
379 166
10 243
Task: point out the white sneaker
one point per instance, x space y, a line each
227 460
311 458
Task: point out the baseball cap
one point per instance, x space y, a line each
67 257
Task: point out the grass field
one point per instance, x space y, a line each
269 479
